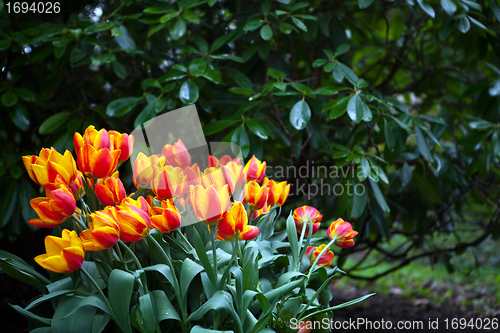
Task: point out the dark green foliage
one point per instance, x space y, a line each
406 90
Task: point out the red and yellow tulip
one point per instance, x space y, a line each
164 217
302 215
236 221
193 174
209 204
169 182
77 186
255 195
45 168
133 219
104 231
110 191
214 162
96 156
238 172
123 142
55 208
65 254
263 210
342 232
218 178
177 155
277 193
144 169
255 170
326 258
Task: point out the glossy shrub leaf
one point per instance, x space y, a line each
449 6
197 67
240 138
379 196
217 126
300 115
389 135
422 144
9 98
257 128
189 92
364 3
355 108
427 8
177 28
266 32
463 24
54 122
20 117
122 106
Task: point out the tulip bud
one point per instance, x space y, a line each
123 142
177 155
234 221
104 231
255 195
342 232
65 254
302 215
326 258
45 168
110 191
255 170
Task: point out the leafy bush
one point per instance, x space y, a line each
406 89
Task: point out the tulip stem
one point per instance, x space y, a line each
186 240
303 248
311 270
79 222
96 286
213 231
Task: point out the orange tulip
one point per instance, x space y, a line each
164 217
77 186
133 219
45 168
96 156
104 231
55 208
326 258
277 193
169 182
65 254
255 170
123 142
342 232
209 204
177 155
236 220
144 169
110 191
302 215
255 195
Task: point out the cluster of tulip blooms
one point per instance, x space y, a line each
176 186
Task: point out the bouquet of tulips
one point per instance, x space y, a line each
141 262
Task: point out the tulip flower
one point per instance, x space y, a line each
209 204
214 162
122 142
110 191
193 174
165 217
255 170
302 215
77 186
342 232
104 231
218 177
45 168
133 219
263 210
144 169
277 193
326 258
169 182
234 221
177 155
96 156
65 254
55 208
238 172
255 195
